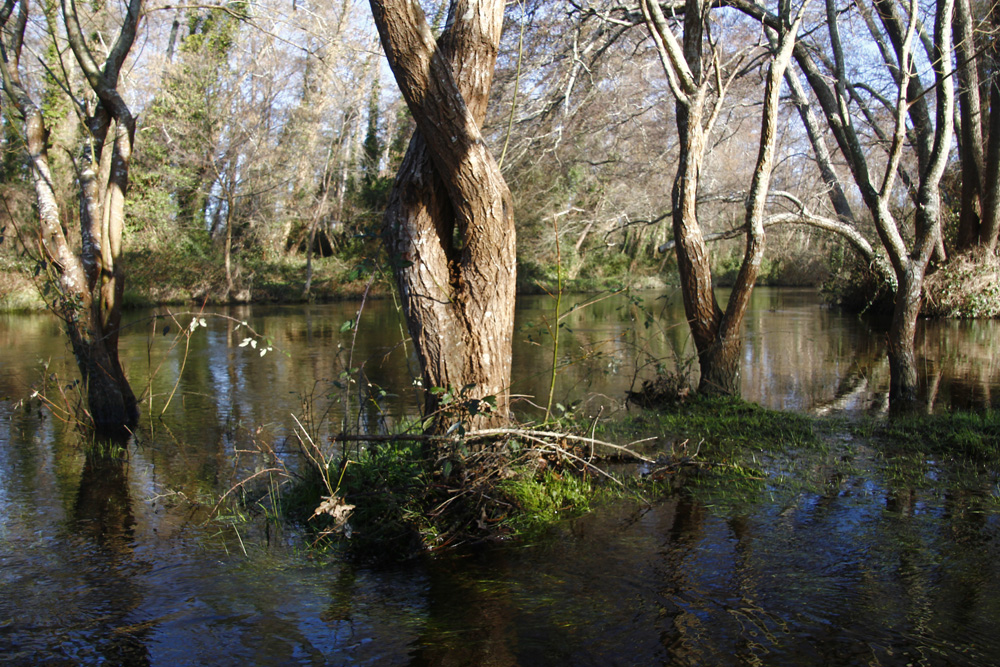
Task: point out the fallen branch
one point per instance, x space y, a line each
486 434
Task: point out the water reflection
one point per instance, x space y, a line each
798 355
104 524
111 561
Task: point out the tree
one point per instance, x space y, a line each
908 124
449 225
87 284
698 88
979 136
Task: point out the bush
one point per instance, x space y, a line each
968 286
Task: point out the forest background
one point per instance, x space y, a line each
268 135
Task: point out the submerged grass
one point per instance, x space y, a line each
970 435
959 450
741 453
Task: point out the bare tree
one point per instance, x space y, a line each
449 226
830 84
699 85
88 283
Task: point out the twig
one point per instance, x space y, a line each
242 482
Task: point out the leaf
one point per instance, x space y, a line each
334 507
246 341
347 326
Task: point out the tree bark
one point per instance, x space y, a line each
449 225
989 229
971 146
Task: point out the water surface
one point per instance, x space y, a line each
116 562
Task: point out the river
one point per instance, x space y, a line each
118 562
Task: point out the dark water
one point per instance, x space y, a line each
111 562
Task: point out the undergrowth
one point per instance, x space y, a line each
406 498
392 500
974 436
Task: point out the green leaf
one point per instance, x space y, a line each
347 326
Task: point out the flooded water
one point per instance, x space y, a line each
115 561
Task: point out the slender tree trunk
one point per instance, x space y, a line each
989 229
900 342
971 147
717 335
449 225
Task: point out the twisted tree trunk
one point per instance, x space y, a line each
449 225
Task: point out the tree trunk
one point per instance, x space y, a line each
112 403
717 335
449 225
971 147
900 342
989 229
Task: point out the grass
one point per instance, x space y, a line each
545 499
738 452
957 435
956 450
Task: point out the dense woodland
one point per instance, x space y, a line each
250 150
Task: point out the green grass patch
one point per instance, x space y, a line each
545 499
724 426
974 436
738 452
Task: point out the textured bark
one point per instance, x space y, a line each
683 66
989 229
88 284
449 225
900 343
971 146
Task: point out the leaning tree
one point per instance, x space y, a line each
85 284
449 224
